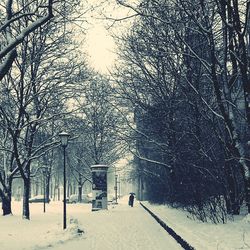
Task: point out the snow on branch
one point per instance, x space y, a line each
33 26
9 49
4 67
12 20
139 156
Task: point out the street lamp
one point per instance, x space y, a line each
116 189
64 136
44 188
119 187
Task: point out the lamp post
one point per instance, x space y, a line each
116 189
119 187
64 136
44 189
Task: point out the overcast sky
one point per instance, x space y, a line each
99 43
100 47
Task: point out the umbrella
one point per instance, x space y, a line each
132 193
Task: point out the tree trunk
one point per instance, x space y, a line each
58 193
26 194
248 193
5 194
80 192
47 188
232 189
80 184
36 187
6 204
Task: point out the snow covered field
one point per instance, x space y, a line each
121 228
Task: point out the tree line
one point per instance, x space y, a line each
184 71
178 101
47 87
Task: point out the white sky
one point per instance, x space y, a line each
100 47
99 43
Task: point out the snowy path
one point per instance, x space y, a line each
120 228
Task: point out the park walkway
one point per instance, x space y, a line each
120 228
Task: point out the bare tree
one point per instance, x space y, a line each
33 15
99 120
38 89
195 50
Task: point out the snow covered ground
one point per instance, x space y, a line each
206 236
120 227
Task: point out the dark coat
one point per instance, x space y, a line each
131 200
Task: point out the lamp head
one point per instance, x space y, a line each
64 136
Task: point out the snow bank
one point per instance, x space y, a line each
42 231
206 236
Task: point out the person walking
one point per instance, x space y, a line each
131 200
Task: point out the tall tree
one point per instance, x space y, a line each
99 120
38 89
195 50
